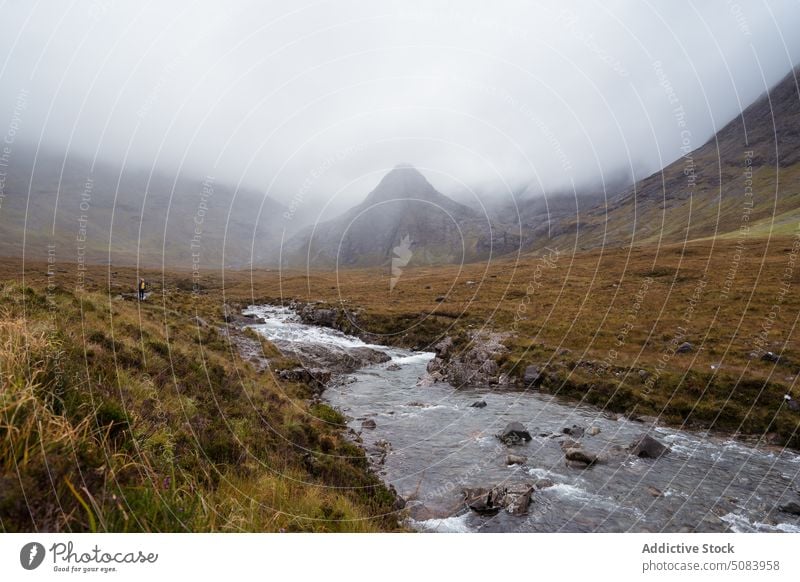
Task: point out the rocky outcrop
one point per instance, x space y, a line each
317 377
337 359
475 364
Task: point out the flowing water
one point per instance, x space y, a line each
430 444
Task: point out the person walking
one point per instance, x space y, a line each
142 287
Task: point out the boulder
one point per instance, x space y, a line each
655 492
771 357
685 348
532 376
593 430
647 447
481 501
478 404
544 483
516 460
369 423
311 376
574 431
514 434
792 508
580 456
393 367
569 444
515 499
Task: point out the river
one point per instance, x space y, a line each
430 443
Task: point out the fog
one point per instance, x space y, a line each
312 102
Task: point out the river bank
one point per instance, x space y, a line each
578 467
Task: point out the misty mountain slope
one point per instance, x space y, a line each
704 193
406 219
95 214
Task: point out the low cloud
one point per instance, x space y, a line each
312 102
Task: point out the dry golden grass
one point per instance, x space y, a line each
121 416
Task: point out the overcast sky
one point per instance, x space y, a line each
314 101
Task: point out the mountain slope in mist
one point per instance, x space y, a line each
404 219
744 181
76 212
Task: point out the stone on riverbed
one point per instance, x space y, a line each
579 456
514 434
515 499
792 508
516 460
478 404
647 447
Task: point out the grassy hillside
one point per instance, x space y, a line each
748 172
131 216
120 416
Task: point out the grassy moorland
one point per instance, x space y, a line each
604 324
123 416
120 416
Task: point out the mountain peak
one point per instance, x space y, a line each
401 182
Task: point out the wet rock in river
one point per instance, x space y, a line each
581 457
393 367
569 444
514 434
369 424
647 447
515 499
792 508
478 404
593 431
574 431
516 460
543 484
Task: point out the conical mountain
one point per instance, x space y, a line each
404 218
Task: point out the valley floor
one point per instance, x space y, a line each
127 416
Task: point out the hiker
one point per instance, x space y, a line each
142 286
